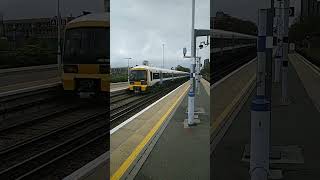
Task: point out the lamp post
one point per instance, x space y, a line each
59 38
163 56
128 68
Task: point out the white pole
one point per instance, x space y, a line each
128 69
278 57
59 39
260 110
163 56
284 90
128 72
261 52
192 68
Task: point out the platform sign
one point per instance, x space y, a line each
291 12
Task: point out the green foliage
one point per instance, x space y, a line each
32 52
300 30
4 45
119 78
233 24
181 68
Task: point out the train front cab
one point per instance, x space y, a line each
139 79
86 64
86 78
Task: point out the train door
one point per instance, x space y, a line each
150 79
161 77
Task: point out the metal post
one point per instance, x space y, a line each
163 56
269 53
259 149
260 109
192 68
59 39
128 72
284 90
278 56
128 69
14 37
261 52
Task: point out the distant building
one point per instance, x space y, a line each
44 28
119 70
107 5
310 8
206 64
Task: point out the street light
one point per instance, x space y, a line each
59 38
163 56
128 68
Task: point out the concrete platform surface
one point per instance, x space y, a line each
119 86
129 141
227 97
181 153
295 125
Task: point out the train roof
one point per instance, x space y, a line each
142 67
90 20
228 34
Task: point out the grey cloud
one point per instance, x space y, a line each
18 9
139 28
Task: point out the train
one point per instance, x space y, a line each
86 55
222 41
143 78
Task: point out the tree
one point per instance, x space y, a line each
181 68
304 29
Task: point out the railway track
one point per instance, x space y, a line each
41 143
54 145
37 138
122 110
225 69
24 100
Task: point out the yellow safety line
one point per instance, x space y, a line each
309 64
227 110
126 164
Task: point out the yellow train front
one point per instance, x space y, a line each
143 78
86 55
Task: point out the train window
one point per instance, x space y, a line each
156 76
151 76
86 45
138 75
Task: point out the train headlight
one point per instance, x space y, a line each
143 82
70 68
104 69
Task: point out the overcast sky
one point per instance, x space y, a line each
246 9
21 9
140 27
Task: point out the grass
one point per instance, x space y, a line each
119 78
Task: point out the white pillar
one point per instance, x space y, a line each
59 39
261 71
192 70
278 57
260 142
260 109
284 90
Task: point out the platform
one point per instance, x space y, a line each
182 153
294 131
19 80
135 147
119 86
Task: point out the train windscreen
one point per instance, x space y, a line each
138 75
87 46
